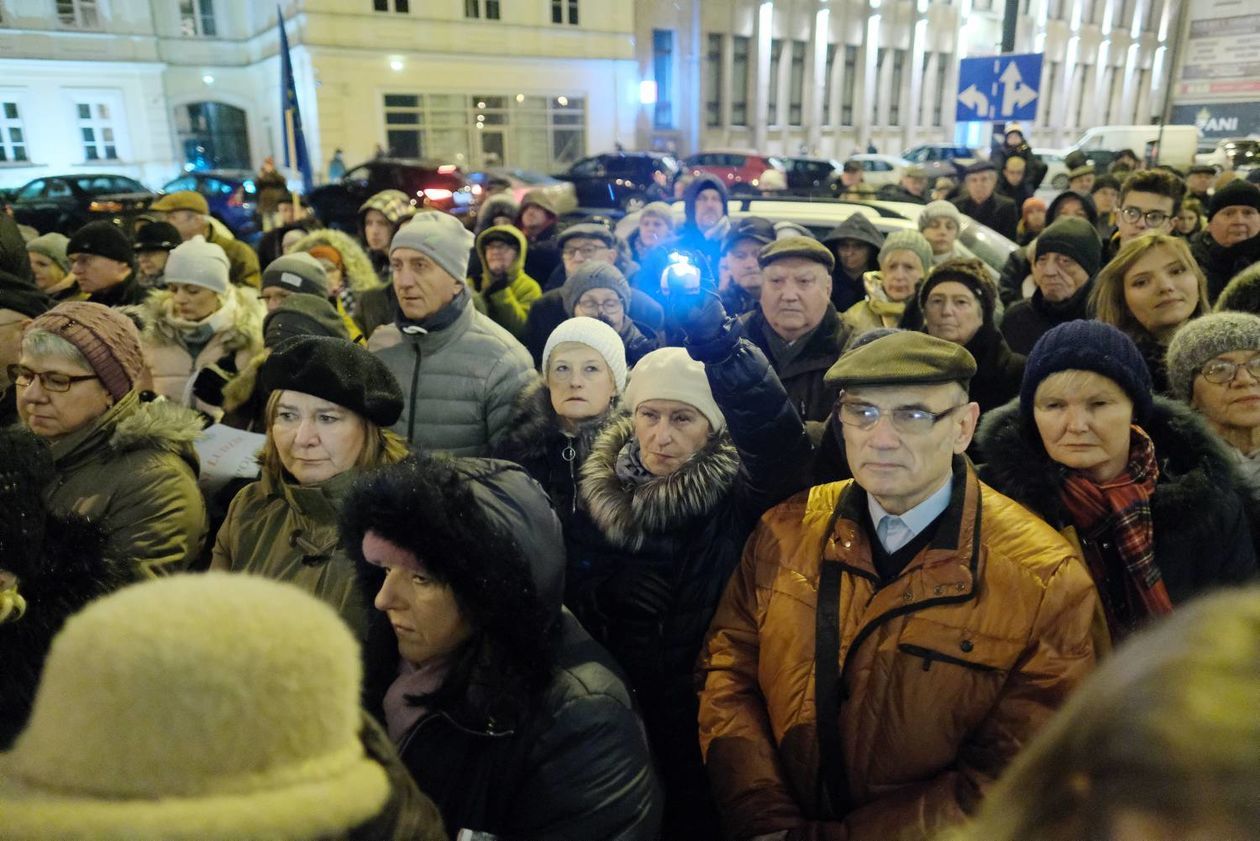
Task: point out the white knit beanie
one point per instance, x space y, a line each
671 374
199 263
596 335
440 237
240 719
938 208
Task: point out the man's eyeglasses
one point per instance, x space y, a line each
1221 371
50 380
587 251
611 307
905 420
1154 218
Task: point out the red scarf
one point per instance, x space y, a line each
1126 502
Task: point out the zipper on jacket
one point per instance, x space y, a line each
929 656
415 380
569 454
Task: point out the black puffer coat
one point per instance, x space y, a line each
803 376
1026 321
569 762
685 532
999 370
1199 509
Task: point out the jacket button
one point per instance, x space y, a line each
847 544
966 645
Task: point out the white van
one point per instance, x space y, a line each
1176 146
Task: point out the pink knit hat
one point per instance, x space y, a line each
108 340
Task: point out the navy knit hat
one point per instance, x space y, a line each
1088 346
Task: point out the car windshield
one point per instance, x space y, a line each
1243 152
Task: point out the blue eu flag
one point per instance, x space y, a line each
294 141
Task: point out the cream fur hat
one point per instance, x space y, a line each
671 374
201 706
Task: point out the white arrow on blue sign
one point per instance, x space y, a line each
998 87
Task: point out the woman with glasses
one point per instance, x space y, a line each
1149 495
1214 367
599 290
121 460
1150 290
667 497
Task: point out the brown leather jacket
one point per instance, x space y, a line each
936 680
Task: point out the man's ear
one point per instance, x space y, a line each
969 416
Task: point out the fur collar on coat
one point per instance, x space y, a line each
535 425
628 513
243 333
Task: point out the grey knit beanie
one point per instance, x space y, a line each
440 237
939 208
594 275
297 272
1202 340
52 246
199 263
911 241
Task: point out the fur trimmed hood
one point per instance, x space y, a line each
535 423
1194 466
359 273
245 331
159 425
240 389
627 513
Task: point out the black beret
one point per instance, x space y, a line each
337 371
104 239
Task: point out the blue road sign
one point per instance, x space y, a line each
998 87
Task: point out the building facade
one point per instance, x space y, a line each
831 78
148 88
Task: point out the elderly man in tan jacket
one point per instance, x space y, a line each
890 642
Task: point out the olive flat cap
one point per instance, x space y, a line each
806 248
904 358
182 200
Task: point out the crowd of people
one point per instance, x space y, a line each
714 529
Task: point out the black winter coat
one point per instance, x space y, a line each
1027 320
542 255
647 571
1199 508
803 376
568 762
1219 263
997 212
999 370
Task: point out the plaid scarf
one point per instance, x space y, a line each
1126 501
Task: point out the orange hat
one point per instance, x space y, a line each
327 252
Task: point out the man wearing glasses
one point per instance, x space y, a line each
1149 201
890 642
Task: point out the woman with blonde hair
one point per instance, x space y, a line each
1160 744
330 404
1150 289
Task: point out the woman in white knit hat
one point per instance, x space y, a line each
668 496
201 330
557 418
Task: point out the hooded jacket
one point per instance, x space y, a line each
1199 508
359 274
459 380
288 532
397 209
508 297
1221 263
704 246
569 762
847 291
134 471
676 539
236 339
928 684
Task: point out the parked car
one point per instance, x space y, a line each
428 183
1057 169
65 203
520 181
812 176
625 180
1237 153
231 194
743 173
941 160
819 217
878 170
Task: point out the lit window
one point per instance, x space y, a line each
12 134
96 130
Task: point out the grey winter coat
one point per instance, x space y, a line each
460 383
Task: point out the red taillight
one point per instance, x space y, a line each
437 194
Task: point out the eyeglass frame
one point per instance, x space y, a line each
15 374
586 251
1129 212
935 417
609 307
1234 366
